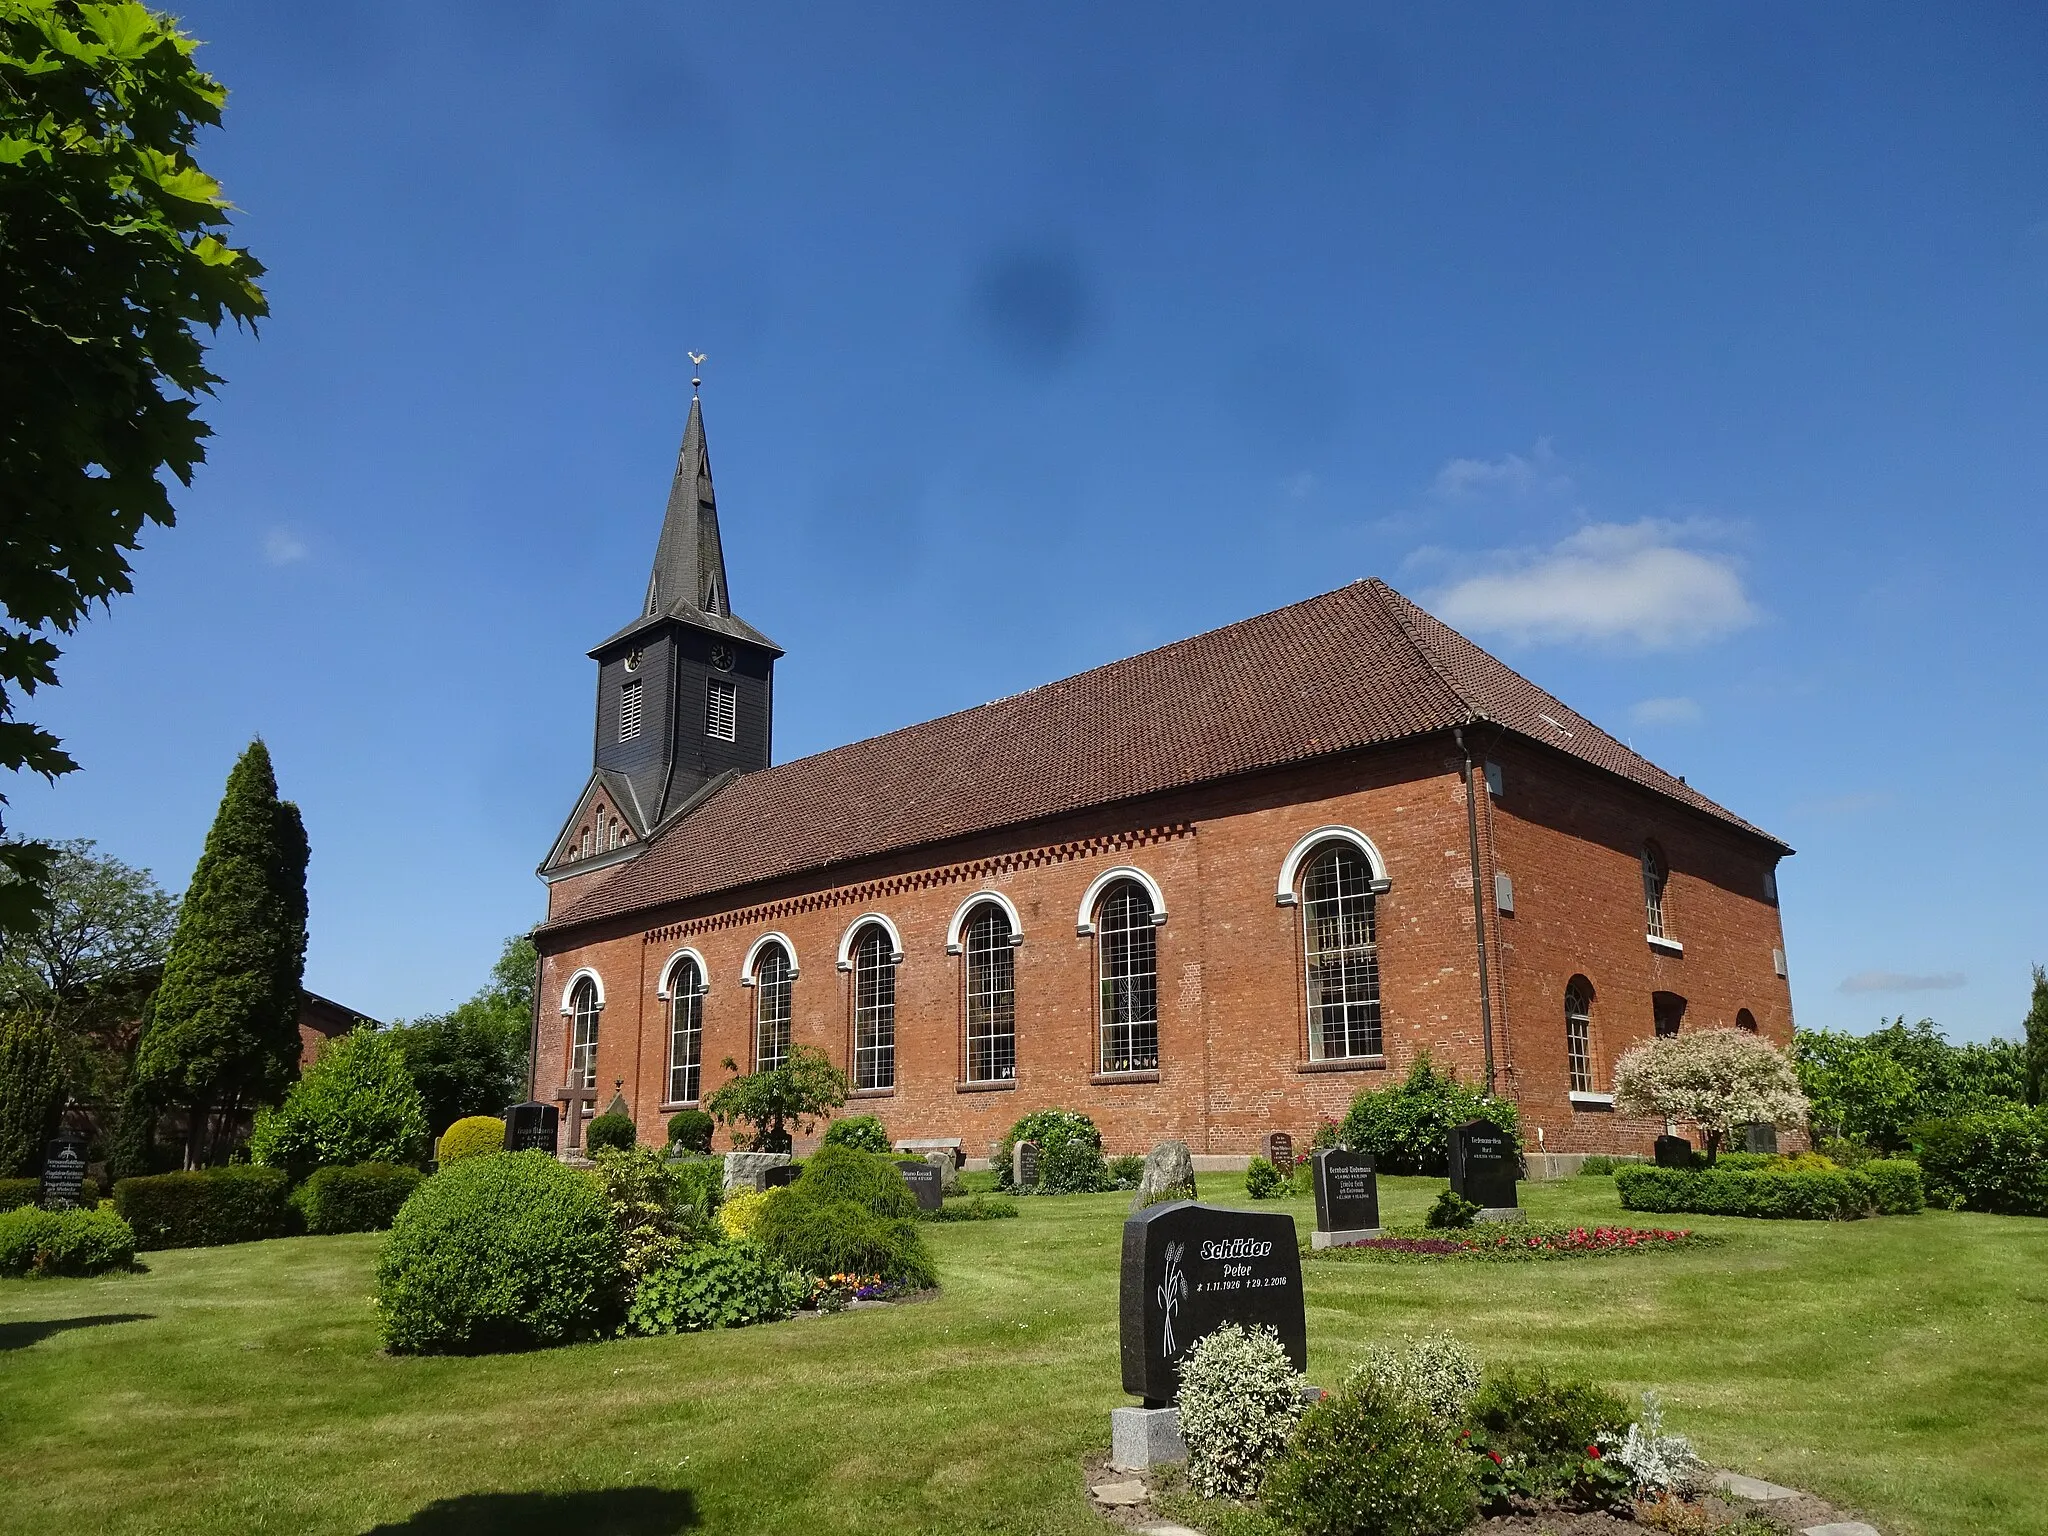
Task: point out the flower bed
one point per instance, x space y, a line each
1519 1242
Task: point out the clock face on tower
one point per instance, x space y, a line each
722 657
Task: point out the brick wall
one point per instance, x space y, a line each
1232 1005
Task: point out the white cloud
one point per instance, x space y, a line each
1617 582
1895 981
283 547
1460 479
1665 712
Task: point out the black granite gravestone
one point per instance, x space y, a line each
1674 1152
1484 1165
926 1182
532 1127
1280 1150
1347 1191
1024 1164
63 1171
1760 1137
781 1176
1187 1270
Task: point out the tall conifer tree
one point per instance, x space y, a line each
2037 1040
223 1029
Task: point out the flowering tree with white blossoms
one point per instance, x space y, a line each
1717 1078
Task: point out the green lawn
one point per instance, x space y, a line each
1896 1366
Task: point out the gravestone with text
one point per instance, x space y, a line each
1187 1270
926 1182
63 1178
1347 1197
1024 1164
1280 1150
533 1127
1485 1165
1674 1152
1760 1137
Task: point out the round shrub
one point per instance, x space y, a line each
714 1285
689 1130
1370 1458
1437 1371
34 1241
864 1133
365 1198
1407 1128
1451 1210
1239 1399
740 1210
499 1253
1127 1171
472 1136
356 1104
1262 1180
837 1237
1069 1152
610 1131
874 1183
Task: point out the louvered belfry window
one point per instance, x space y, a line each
771 1009
1340 942
629 710
1578 1034
1127 943
721 711
874 1009
685 1033
991 997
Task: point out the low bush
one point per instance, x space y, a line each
614 1131
79 1242
1515 1242
206 1207
1370 1458
740 1211
1793 1194
714 1285
1437 1371
1262 1180
1660 1465
1452 1210
873 1182
1239 1400
699 1190
689 1130
973 1208
1994 1162
16 1192
1539 1440
1407 1128
1069 1154
650 1209
1894 1185
471 1136
365 1198
864 1133
1126 1171
850 1213
499 1253
1596 1166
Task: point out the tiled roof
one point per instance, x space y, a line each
1358 667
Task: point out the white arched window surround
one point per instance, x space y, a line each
1288 892
853 932
569 991
753 954
959 923
668 973
1084 920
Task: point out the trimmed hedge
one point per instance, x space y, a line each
1787 1195
689 1130
364 1198
19 1192
88 1242
500 1253
471 1136
207 1207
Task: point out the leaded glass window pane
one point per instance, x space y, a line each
1127 944
991 997
1578 1035
1340 940
685 1033
771 1009
583 1012
874 1010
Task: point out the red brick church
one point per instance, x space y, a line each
1206 892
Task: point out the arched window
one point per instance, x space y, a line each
1655 874
1667 1012
1578 1033
771 1008
1745 1021
874 1008
1339 940
1127 953
685 1031
991 996
583 1011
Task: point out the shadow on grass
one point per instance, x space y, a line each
21 1335
592 1512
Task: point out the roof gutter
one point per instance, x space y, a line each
1478 907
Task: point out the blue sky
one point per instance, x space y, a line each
1692 361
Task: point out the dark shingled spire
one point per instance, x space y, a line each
689 562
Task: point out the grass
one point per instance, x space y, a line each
1897 1366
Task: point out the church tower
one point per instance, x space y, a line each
685 693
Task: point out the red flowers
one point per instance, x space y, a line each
1494 1457
1593 1451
